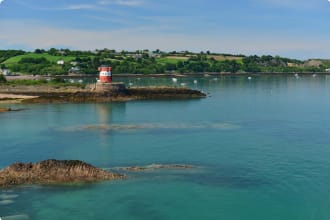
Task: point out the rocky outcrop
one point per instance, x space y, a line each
51 94
164 93
53 172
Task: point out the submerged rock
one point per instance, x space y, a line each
157 166
53 172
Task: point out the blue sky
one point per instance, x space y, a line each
293 28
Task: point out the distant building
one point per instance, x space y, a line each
74 70
60 62
327 70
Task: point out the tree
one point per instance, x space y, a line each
39 51
52 51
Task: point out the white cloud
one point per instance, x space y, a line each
130 3
1 1
79 7
97 6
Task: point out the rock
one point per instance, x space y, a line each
157 166
5 109
49 94
164 93
53 172
10 110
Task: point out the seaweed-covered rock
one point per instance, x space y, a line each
157 167
5 109
53 172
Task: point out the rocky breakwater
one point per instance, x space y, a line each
92 94
53 172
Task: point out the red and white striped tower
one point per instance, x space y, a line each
105 74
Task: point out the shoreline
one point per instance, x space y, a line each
124 75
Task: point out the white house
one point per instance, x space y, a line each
5 72
60 62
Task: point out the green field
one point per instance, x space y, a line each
51 58
172 59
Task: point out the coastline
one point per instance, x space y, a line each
124 75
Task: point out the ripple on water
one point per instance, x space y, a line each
6 202
16 217
8 196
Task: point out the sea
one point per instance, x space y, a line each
259 148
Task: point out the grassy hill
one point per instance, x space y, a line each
50 58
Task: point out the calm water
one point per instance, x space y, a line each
261 147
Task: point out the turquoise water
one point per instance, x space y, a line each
261 148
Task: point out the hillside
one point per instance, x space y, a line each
64 61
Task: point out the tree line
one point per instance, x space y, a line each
149 62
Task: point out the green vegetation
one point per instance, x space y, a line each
2 79
6 54
53 82
64 61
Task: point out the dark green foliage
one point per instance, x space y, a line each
6 54
30 60
2 78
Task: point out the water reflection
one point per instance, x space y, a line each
131 127
107 114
